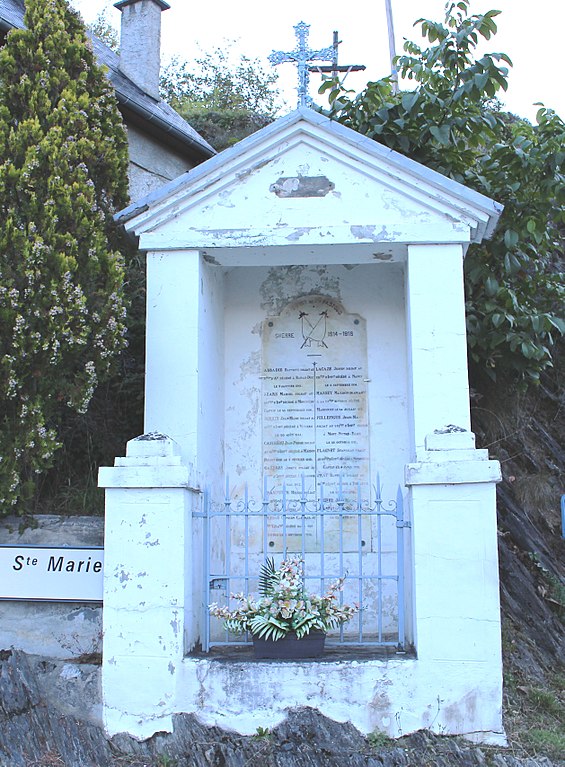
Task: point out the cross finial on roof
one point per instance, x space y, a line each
300 56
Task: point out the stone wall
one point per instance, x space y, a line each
151 164
53 629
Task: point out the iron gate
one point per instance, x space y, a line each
335 536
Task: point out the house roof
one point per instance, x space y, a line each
155 117
372 197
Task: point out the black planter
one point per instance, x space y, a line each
289 647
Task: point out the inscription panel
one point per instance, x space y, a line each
314 409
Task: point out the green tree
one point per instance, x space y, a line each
451 122
63 171
224 97
103 30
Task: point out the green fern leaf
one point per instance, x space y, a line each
268 577
267 627
234 626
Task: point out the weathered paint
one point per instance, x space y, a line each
373 187
374 292
395 696
148 602
452 687
302 186
387 243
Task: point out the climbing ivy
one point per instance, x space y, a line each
452 122
63 171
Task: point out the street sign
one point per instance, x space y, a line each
49 573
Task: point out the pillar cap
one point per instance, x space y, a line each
122 4
152 445
450 437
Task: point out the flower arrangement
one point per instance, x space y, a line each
284 607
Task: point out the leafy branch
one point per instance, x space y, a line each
452 122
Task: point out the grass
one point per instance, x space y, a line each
546 741
535 716
554 588
378 739
262 733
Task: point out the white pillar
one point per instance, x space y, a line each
148 595
437 341
455 570
184 378
172 347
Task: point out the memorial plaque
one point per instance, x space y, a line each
314 410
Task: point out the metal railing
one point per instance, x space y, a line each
334 536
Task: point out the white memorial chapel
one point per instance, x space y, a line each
306 394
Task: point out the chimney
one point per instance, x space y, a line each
140 42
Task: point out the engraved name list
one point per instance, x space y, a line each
314 398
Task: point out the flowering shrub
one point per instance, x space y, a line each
63 172
284 606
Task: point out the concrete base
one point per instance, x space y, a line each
453 687
394 696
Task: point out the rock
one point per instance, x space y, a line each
52 530
30 730
43 723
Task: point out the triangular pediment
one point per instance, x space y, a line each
306 181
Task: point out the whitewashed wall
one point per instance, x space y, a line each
226 251
203 384
376 292
204 368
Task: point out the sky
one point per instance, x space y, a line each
530 33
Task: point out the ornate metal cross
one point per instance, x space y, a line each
300 56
